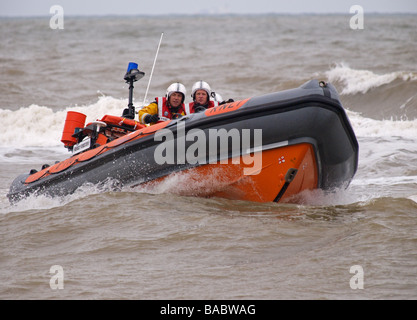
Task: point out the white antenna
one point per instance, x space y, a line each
154 62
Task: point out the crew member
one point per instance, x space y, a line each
165 108
203 98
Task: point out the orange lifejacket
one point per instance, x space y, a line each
189 107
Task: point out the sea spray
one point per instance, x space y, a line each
42 126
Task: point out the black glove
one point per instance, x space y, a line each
228 101
151 118
199 109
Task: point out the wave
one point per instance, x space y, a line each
379 96
361 81
39 126
372 128
42 126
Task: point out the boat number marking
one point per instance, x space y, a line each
228 107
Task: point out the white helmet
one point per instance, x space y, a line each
176 87
200 85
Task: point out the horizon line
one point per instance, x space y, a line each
78 15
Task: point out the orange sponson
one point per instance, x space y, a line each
72 121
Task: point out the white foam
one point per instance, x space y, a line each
361 81
45 202
36 126
367 127
383 181
414 198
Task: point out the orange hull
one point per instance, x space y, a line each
268 183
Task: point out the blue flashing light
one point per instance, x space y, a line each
132 65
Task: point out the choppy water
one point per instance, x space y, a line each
158 245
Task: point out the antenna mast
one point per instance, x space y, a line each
154 62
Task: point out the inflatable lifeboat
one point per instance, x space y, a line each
267 148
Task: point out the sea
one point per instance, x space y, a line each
359 243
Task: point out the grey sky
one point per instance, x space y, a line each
134 7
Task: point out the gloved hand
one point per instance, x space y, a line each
228 101
151 118
176 116
199 109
